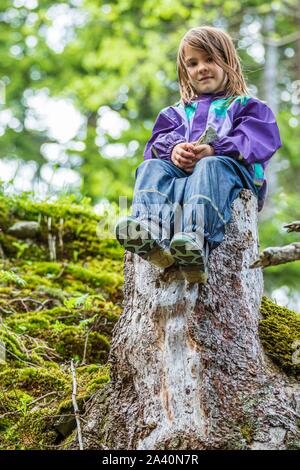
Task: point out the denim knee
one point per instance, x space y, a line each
148 165
208 161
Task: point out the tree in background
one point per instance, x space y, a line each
113 64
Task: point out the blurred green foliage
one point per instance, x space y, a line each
121 54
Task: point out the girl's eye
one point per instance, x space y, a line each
192 64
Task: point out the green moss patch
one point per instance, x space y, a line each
279 331
53 310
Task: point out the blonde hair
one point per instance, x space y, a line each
220 48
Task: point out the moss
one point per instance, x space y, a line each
14 346
293 444
247 432
9 277
279 331
75 224
97 382
31 323
14 400
33 431
31 428
69 277
5 423
47 318
35 381
70 343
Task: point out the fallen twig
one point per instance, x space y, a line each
29 404
75 406
42 397
7 351
85 348
29 299
64 265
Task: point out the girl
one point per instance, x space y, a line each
184 189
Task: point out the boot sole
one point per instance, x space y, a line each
135 237
185 255
194 275
191 261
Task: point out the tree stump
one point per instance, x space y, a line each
187 367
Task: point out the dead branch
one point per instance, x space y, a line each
273 256
293 226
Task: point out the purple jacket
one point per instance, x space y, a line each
246 130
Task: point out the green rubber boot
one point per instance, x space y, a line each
188 252
135 236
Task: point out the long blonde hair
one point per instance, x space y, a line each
220 48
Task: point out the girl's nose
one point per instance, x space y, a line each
202 68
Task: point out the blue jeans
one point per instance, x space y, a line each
199 201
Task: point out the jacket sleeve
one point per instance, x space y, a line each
254 136
166 133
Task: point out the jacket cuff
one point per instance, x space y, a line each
178 140
217 146
220 149
163 149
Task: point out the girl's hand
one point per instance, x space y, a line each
183 156
200 151
203 150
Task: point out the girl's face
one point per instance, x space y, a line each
199 66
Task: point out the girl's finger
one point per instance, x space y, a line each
185 154
189 161
190 165
183 166
198 155
188 146
184 161
177 162
186 149
200 148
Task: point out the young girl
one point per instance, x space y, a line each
184 189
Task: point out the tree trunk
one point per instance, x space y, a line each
187 367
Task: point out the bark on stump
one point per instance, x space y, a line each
188 370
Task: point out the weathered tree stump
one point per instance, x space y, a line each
187 367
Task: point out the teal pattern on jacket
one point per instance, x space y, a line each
218 111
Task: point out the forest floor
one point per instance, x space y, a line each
60 297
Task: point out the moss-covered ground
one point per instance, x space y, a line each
60 297
55 306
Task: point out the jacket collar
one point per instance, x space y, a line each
206 96
203 97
